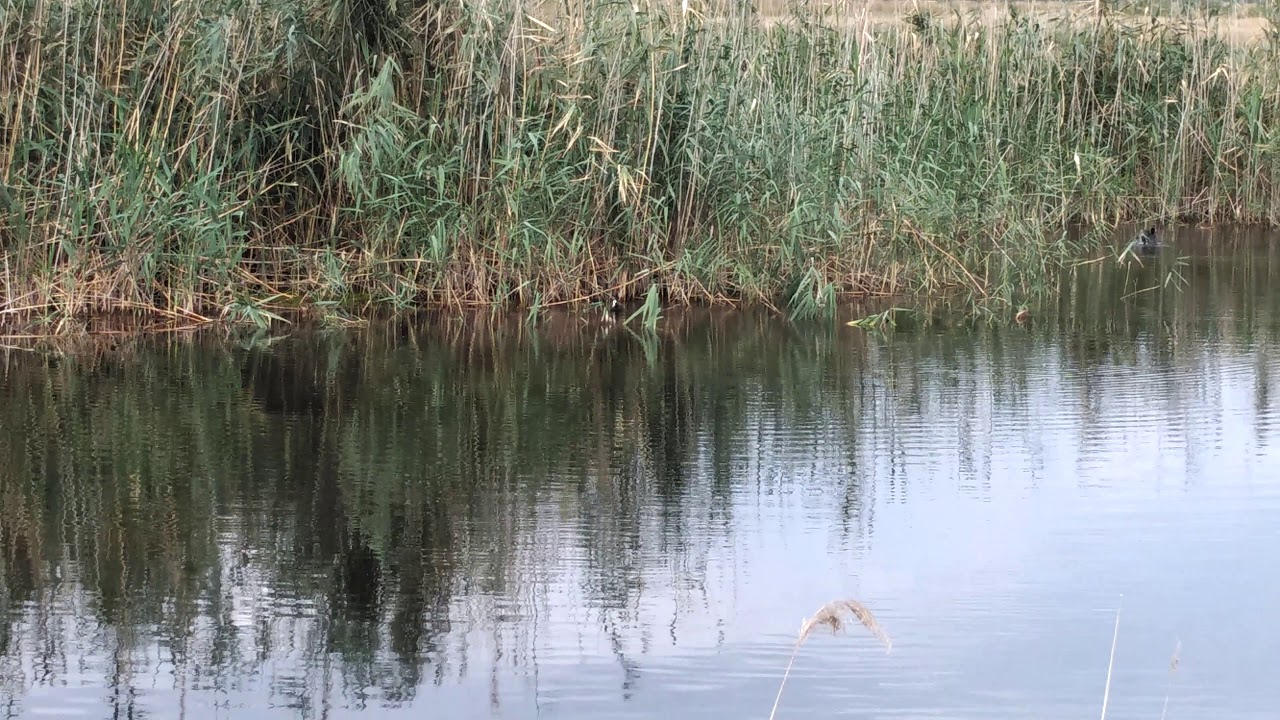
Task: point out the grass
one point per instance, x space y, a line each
238 160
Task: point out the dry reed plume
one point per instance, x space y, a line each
834 615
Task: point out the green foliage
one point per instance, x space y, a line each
650 312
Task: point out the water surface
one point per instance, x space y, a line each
482 519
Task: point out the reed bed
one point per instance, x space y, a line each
228 159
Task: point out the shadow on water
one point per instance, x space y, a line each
353 518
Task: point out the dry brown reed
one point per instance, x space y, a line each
835 615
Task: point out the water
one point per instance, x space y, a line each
475 520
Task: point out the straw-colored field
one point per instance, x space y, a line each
1243 22
1237 21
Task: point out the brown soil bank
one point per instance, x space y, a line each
207 160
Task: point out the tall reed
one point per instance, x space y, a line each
189 158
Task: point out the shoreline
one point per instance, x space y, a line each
282 313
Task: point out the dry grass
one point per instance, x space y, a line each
1242 23
835 616
1239 27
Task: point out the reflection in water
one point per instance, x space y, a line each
482 519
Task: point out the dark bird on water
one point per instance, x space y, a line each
612 308
1147 240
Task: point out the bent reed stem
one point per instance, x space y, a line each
834 616
1115 638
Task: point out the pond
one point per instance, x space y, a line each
482 519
